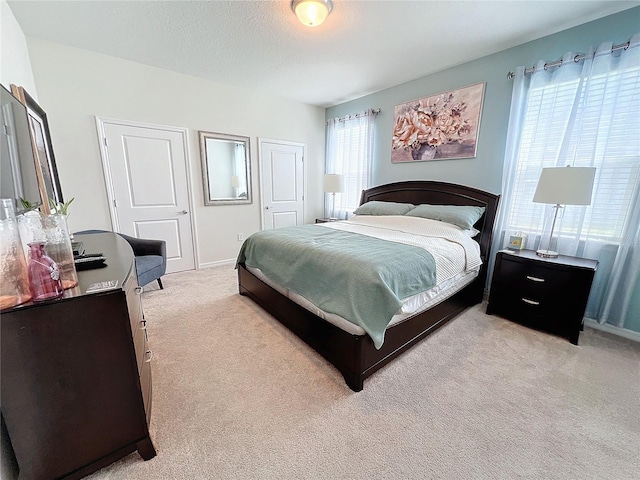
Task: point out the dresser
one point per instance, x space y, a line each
548 294
76 372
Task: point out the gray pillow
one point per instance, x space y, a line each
464 216
383 208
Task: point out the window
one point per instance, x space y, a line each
350 153
601 135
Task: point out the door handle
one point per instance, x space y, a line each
183 212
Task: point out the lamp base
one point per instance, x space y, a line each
547 253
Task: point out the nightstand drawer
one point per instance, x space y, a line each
534 312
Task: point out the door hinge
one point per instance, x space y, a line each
106 143
115 203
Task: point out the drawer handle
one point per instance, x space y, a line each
530 302
149 354
138 290
535 279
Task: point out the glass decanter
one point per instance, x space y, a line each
14 281
44 276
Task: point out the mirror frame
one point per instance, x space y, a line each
206 181
45 161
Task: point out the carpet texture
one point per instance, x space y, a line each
237 396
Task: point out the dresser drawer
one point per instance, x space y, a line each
132 291
140 343
145 384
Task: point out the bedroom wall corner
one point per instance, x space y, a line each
76 85
15 63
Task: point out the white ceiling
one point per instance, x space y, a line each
364 45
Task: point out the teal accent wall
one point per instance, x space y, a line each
484 171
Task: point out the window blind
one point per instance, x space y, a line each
605 104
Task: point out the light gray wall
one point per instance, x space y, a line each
15 64
484 171
76 85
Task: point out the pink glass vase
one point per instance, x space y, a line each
52 230
44 276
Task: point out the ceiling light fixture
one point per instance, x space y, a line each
311 12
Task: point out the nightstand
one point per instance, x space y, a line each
548 294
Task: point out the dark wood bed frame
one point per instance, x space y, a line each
355 356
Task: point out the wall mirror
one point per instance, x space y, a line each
226 168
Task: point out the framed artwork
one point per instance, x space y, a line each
46 168
439 127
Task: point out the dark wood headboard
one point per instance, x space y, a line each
442 193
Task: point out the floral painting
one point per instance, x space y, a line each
443 126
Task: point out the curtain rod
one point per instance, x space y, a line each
576 59
370 111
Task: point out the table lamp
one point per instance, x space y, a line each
563 186
333 183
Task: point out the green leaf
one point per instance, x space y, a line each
27 206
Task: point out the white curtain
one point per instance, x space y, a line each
585 114
349 152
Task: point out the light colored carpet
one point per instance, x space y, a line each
237 396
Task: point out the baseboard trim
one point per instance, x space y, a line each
621 332
231 261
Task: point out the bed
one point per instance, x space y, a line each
353 351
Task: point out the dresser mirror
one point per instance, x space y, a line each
18 179
226 171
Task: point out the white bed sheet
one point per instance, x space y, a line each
456 255
411 305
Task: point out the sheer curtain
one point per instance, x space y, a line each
586 114
349 152
239 179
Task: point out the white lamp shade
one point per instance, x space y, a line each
565 186
333 183
311 12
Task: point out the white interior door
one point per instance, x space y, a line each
282 183
146 172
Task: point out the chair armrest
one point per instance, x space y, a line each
145 246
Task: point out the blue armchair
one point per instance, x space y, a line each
151 257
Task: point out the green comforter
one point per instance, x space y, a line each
363 279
